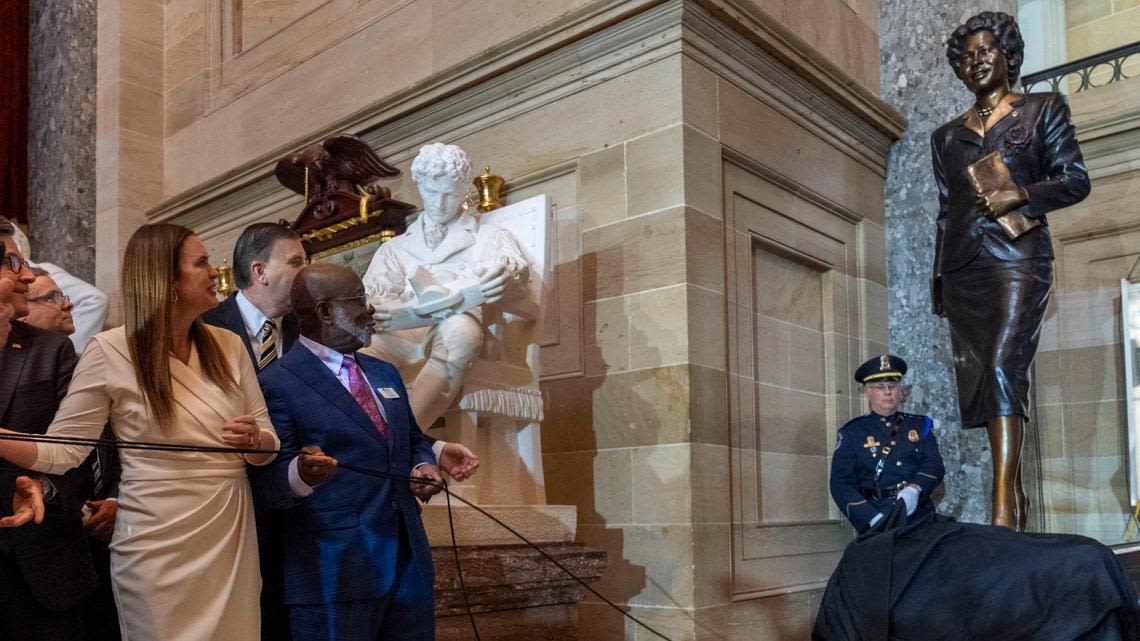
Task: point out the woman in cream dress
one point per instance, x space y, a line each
184 559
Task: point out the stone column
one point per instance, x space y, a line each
61 134
917 81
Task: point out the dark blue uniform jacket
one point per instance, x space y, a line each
906 447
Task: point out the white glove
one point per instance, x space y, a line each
909 495
878 517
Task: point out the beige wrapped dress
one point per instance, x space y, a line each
184 560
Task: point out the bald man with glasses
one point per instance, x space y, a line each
885 456
48 307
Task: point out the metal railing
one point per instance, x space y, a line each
1084 70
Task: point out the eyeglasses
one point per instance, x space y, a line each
59 298
13 263
884 386
362 299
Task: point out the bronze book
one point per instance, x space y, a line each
991 174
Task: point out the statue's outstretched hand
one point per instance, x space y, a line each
27 503
383 319
492 281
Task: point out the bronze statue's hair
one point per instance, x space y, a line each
151 264
1004 29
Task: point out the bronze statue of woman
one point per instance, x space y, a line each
992 277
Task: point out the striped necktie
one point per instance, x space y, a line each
268 344
97 479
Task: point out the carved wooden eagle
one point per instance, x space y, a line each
332 174
336 167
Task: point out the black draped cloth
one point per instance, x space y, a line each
939 580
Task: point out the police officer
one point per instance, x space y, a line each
887 455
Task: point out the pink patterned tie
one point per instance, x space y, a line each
360 391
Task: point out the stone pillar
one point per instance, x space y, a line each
61 134
129 132
918 82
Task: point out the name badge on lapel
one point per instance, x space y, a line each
388 392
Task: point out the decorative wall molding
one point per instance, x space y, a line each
237 66
1108 126
794 65
780 555
598 43
791 185
1093 234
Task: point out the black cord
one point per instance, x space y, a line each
458 566
182 447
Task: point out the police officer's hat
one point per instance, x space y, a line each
881 368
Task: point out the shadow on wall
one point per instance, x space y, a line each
592 419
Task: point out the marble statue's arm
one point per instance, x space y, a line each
385 277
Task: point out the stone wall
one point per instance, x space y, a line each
1080 365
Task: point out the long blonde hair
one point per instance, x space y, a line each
151 264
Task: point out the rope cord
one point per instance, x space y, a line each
182 447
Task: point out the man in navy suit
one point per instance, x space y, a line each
267 256
357 561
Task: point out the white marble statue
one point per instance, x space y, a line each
429 285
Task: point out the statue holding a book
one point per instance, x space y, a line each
430 284
1004 164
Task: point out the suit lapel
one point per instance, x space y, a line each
290 331
199 396
378 379
13 364
458 238
236 324
1009 114
308 368
969 129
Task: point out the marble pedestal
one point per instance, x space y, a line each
514 591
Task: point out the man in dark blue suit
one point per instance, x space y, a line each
357 561
266 258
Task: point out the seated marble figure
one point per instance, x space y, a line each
442 270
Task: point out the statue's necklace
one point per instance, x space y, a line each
983 112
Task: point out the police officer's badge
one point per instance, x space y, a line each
912 436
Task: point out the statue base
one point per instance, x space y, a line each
538 523
514 592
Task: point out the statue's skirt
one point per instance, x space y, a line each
995 308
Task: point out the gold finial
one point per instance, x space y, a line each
226 280
489 186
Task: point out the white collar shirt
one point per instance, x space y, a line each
254 319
